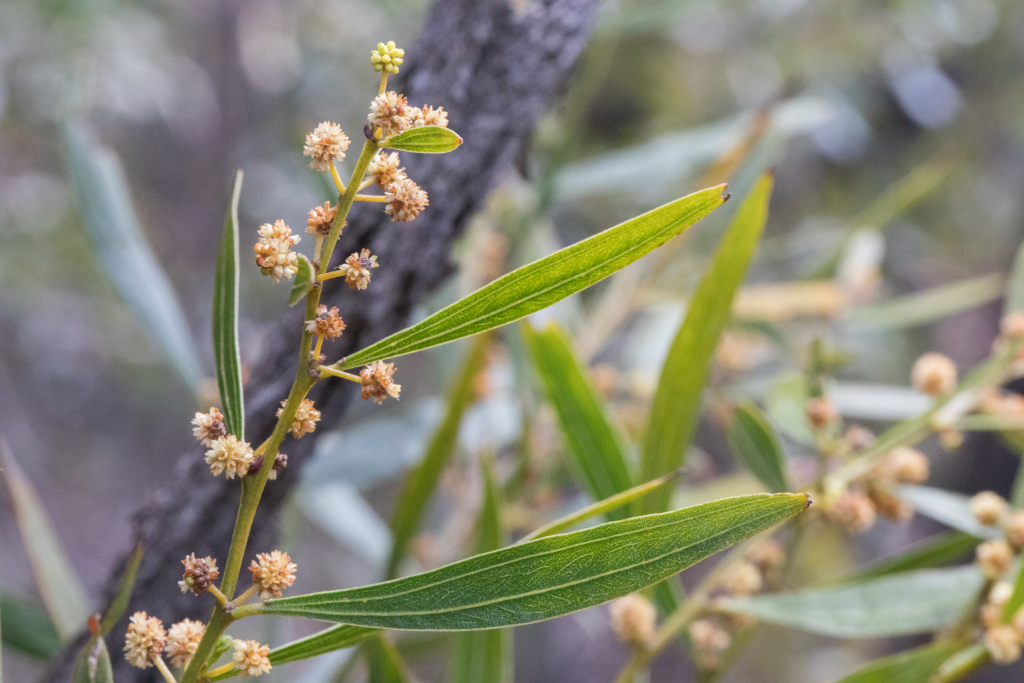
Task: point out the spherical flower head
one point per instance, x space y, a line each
387 57
320 218
1014 528
933 374
428 116
272 572
994 558
200 573
1012 325
327 323
889 506
230 456
326 142
820 411
273 251
389 111
1003 643
305 418
384 169
183 640
992 611
634 620
908 465
855 511
405 200
740 579
858 437
251 658
209 427
144 641
377 382
357 269
988 507
709 641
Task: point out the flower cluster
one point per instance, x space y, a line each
271 573
859 507
377 382
183 640
634 620
320 218
995 557
387 57
144 641
230 456
250 658
327 323
326 143
357 269
1003 634
273 251
209 427
200 573
306 417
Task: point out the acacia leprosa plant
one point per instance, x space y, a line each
544 577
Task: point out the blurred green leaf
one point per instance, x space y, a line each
124 592
304 281
27 628
225 320
586 422
420 483
911 666
677 399
619 499
384 662
952 509
785 407
899 604
321 642
930 305
483 656
62 592
547 577
424 140
93 663
124 253
1014 302
753 441
937 551
536 286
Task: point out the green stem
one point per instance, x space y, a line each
345 202
218 622
960 665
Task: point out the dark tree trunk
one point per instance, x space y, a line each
495 71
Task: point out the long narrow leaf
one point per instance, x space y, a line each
952 509
483 656
303 281
552 278
385 664
900 604
322 642
936 551
421 481
678 397
548 577
593 437
119 604
124 253
912 666
225 320
754 442
27 628
62 592
93 663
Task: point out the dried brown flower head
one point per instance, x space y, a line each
384 169
390 112
229 455
305 418
994 558
320 218
251 658
273 250
144 640
327 322
200 573
182 640
209 426
357 269
405 200
326 142
272 572
933 374
634 619
377 382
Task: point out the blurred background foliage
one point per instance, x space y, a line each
895 130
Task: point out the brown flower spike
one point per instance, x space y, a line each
320 218
200 573
327 323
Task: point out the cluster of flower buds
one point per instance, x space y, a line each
147 641
634 620
858 508
273 251
995 557
271 573
1003 637
225 452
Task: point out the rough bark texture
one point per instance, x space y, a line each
495 71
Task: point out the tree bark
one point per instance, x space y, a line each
495 70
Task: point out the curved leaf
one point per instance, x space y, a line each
952 509
548 577
754 442
900 604
384 662
539 284
27 628
584 419
677 400
424 140
304 281
225 320
123 596
936 551
912 666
